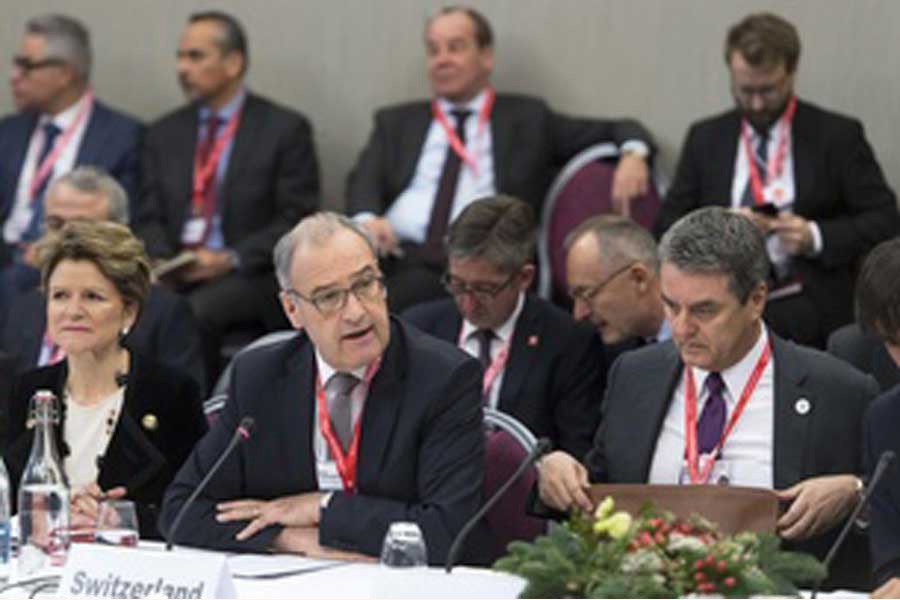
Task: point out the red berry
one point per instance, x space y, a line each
699 576
698 564
722 566
730 582
710 560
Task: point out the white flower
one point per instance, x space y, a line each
641 561
679 541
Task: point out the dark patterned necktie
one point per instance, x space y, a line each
761 158
712 419
33 231
340 407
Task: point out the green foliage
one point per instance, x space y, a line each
657 556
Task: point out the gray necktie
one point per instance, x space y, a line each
337 394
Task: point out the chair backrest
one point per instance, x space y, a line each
507 444
219 394
581 190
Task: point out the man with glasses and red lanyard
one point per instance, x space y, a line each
224 177
360 420
727 401
426 161
60 125
540 366
806 176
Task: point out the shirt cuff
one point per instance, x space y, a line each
818 245
362 217
635 147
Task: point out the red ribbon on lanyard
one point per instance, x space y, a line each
690 418
46 167
345 463
204 173
458 147
775 166
494 369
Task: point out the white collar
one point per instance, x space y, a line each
503 333
736 376
475 104
326 371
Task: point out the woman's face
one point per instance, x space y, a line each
85 311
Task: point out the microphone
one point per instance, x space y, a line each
884 461
542 447
241 433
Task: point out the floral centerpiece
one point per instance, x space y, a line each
613 555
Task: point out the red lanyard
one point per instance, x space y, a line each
494 369
345 463
204 172
774 167
450 132
690 417
42 172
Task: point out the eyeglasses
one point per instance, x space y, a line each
769 93
366 289
27 65
481 291
587 294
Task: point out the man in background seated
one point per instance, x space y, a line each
224 177
362 420
872 345
426 161
613 278
60 124
757 410
806 176
539 365
165 329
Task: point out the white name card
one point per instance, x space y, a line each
97 571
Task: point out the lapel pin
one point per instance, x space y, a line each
802 406
533 341
150 422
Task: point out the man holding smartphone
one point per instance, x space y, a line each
807 177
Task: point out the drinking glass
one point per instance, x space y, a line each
404 546
117 523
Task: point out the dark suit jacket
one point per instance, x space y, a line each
881 427
827 440
141 458
838 183
165 332
554 378
421 454
865 352
530 144
111 141
272 181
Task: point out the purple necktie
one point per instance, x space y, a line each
712 419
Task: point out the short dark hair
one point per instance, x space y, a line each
764 40
717 241
499 229
233 38
878 292
484 35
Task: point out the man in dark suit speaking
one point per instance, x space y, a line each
361 420
426 161
728 401
225 177
806 176
540 366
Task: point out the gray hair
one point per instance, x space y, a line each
316 229
620 240
67 39
91 180
715 240
499 229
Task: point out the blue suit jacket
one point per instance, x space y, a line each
111 141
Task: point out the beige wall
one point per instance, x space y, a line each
336 60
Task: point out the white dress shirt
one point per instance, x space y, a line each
326 468
87 432
502 337
779 191
746 457
19 217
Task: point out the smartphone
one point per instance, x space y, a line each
768 209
